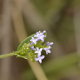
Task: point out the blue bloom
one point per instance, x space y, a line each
47 50
44 32
32 47
49 43
33 40
38 51
40 36
40 58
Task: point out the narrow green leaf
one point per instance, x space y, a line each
25 41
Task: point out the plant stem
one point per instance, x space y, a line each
8 55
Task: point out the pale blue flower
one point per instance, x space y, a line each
44 32
49 43
33 40
40 58
38 51
47 50
32 47
40 36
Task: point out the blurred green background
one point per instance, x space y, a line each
61 20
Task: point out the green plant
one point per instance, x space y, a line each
32 47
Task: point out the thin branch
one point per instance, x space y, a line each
6 55
9 54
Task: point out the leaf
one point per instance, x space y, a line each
25 41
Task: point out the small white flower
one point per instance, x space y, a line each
47 50
33 40
38 51
40 58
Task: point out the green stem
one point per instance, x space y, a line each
8 55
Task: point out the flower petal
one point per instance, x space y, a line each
36 59
42 57
40 60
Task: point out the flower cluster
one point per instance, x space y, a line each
34 48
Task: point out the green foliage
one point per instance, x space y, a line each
25 41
